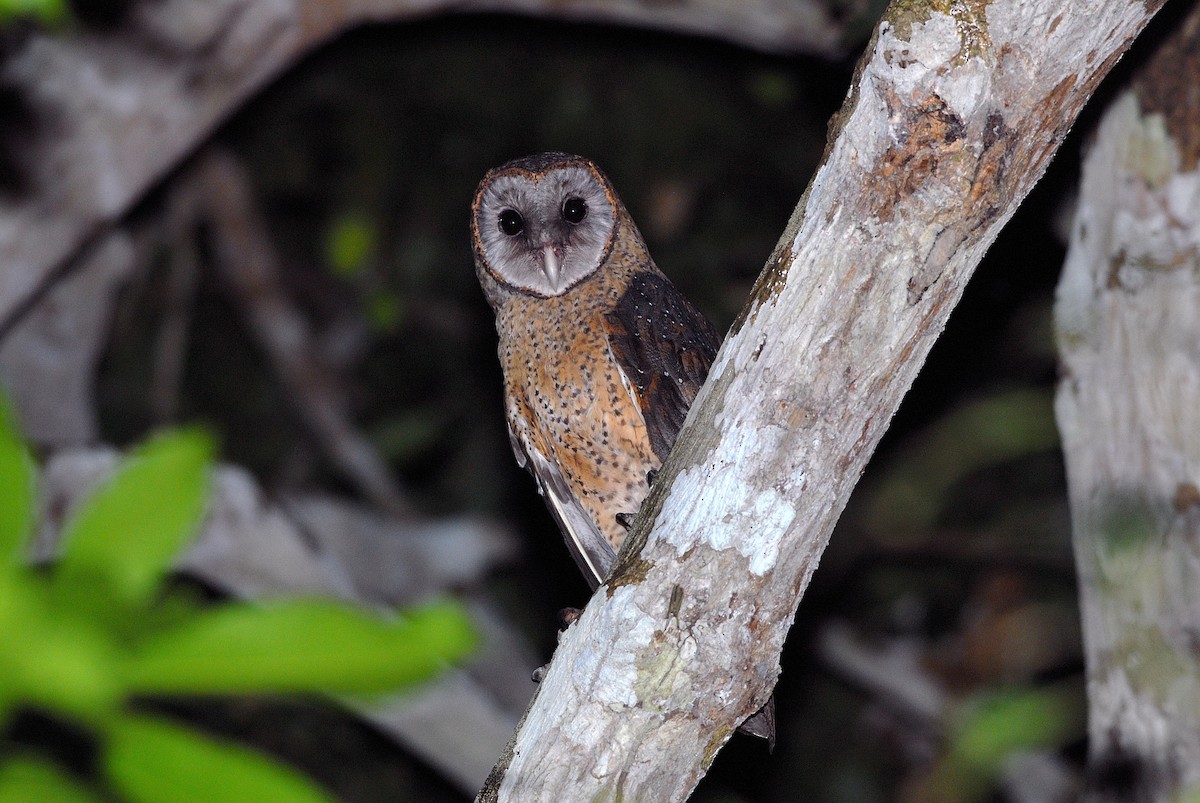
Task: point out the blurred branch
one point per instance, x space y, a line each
894 675
953 117
1128 317
170 348
246 258
96 119
938 700
48 362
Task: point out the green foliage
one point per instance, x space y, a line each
1018 719
150 760
32 780
50 12
772 89
238 649
121 541
104 627
406 435
385 311
995 725
982 433
350 244
17 480
1190 795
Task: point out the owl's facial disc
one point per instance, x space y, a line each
543 233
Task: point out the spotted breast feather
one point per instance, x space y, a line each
662 347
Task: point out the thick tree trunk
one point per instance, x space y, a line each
1128 317
953 117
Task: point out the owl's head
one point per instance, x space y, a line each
544 223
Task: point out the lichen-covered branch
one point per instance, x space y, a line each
1128 320
955 112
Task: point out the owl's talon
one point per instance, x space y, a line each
651 476
625 520
567 617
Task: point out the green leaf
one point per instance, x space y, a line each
18 489
772 89
300 646
1190 795
385 311
992 726
121 542
152 761
50 12
405 435
63 663
350 242
32 780
1019 719
916 486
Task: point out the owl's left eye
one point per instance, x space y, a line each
511 222
574 210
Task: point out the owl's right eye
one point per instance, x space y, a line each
574 210
511 222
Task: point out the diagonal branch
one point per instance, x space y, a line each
955 112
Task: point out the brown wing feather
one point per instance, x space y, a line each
587 545
664 346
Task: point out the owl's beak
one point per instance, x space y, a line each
550 264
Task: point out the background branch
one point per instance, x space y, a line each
251 268
1128 325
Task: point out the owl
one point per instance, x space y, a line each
602 355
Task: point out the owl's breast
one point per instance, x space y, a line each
568 399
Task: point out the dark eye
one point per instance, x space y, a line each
511 222
574 210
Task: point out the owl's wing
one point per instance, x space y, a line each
586 543
664 346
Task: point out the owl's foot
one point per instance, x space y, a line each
625 520
651 476
567 617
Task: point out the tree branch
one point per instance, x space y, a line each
1128 318
952 119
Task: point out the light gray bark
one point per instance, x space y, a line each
952 119
1128 320
47 365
